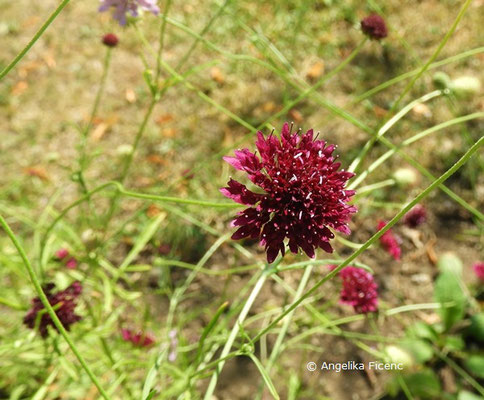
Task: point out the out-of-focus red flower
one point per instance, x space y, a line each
139 339
63 255
374 26
478 268
359 290
389 242
416 216
303 193
64 303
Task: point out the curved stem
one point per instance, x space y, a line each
409 141
236 328
50 310
376 236
414 72
36 37
387 125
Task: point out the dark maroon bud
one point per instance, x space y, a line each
110 40
374 26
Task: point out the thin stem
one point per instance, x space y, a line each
282 334
409 141
128 162
49 309
205 29
434 55
377 235
236 328
356 164
97 101
317 85
414 72
36 37
161 41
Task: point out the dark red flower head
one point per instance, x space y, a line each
389 242
110 40
64 302
303 194
374 26
139 339
416 216
359 290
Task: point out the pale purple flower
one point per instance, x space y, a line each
121 7
173 345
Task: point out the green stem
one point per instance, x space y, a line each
128 162
161 41
97 101
357 163
236 328
387 125
434 55
285 327
414 72
36 37
377 235
409 141
316 86
49 309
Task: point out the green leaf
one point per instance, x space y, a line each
476 329
421 350
465 395
424 384
143 238
449 262
449 294
475 365
209 328
422 330
454 343
265 376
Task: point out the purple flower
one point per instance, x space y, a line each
359 290
64 302
478 268
374 26
139 339
121 7
303 194
389 242
416 216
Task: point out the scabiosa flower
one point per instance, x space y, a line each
303 195
389 242
139 339
64 303
63 255
110 40
374 26
416 216
121 7
479 270
359 290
